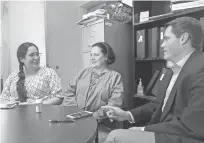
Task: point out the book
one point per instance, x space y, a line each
141 44
161 38
202 25
153 43
152 82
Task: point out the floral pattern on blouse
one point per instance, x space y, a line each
45 82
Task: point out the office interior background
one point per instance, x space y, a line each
52 26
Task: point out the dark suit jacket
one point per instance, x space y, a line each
182 120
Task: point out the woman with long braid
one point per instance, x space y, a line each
32 81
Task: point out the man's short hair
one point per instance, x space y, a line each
190 25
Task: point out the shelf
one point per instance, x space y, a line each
149 59
145 97
90 19
158 21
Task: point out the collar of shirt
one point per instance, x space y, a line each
176 68
100 72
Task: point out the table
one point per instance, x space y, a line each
23 125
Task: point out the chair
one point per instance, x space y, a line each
105 126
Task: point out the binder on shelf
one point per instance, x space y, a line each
202 24
161 38
141 44
151 83
153 42
149 44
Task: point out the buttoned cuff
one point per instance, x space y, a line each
143 128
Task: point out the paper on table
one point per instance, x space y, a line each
7 106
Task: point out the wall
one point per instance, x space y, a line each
30 21
0 38
5 41
1 85
22 21
63 38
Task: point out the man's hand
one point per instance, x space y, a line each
116 113
137 128
99 114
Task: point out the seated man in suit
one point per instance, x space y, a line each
177 116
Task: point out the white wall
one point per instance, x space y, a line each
0 38
63 38
5 58
0 25
23 21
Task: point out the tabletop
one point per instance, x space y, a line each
23 125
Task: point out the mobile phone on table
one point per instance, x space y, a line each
79 115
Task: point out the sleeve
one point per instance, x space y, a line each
132 118
5 95
116 98
55 85
190 123
143 129
144 113
70 93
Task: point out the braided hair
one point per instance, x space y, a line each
20 85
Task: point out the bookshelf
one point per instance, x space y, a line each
147 51
156 21
146 39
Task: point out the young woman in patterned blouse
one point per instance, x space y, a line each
97 85
32 81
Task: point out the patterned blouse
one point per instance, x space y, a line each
45 83
90 90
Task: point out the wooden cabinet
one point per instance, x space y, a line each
119 37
